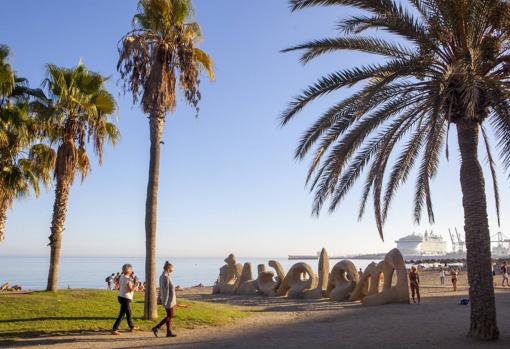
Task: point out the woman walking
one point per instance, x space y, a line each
414 279
126 291
167 299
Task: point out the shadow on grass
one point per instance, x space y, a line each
63 337
53 318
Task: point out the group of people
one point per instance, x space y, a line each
113 282
166 297
414 281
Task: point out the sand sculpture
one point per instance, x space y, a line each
299 281
247 286
230 273
368 283
267 283
342 281
399 293
323 277
342 284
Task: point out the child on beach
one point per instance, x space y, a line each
167 299
414 280
126 291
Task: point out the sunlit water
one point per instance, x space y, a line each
90 272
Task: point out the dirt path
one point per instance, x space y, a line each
437 323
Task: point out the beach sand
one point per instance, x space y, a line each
280 323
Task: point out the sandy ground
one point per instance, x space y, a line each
280 323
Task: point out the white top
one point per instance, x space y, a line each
442 274
124 291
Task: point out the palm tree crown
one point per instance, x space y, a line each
450 65
161 49
24 163
78 110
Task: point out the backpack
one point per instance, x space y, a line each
464 301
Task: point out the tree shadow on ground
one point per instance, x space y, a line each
436 323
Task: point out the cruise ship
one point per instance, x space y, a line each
428 244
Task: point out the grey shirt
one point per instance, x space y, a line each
167 291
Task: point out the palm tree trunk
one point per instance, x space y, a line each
4 205
57 229
156 123
476 226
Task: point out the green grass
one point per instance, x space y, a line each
80 311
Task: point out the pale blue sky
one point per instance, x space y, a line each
228 180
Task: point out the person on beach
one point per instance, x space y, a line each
116 281
360 273
504 272
442 275
454 273
109 282
167 299
126 291
414 280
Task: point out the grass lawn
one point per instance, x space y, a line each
80 310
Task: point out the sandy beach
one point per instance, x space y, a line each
439 322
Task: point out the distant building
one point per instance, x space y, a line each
420 245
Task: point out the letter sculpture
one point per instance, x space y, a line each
342 284
230 273
342 281
321 290
266 282
370 295
300 280
247 286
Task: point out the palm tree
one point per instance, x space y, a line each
160 51
449 66
24 163
78 110
7 75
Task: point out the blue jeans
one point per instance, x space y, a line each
125 309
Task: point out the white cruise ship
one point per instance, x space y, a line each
429 244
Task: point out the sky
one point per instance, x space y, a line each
228 180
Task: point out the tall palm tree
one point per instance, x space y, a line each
24 163
78 111
449 65
160 51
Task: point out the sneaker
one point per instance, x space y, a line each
155 330
170 334
134 328
116 333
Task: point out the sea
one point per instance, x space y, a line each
90 272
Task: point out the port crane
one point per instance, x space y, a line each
502 245
457 244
